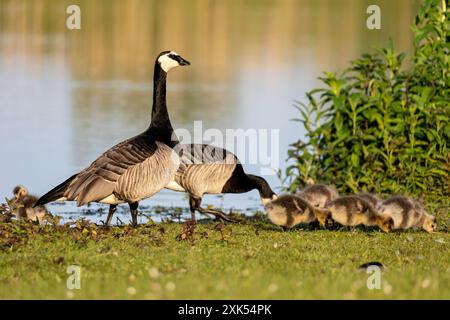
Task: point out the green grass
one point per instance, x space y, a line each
251 260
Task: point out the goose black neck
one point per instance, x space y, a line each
261 185
160 123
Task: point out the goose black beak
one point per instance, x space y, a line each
183 62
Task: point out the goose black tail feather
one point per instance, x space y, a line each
55 193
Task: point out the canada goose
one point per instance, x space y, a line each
408 213
289 210
373 199
23 204
207 169
318 194
353 210
136 168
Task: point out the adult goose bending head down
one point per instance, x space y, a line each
136 168
207 169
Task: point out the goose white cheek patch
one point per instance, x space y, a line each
167 63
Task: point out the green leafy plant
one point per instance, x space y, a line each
378 126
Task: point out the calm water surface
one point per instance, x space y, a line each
66 96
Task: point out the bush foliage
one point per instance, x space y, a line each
379 126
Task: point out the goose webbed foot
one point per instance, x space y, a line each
194 204
218 214
103 225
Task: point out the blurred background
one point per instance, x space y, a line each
68 95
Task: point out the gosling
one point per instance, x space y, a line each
23 204
408 213
318 195
373 199
353 211
290 210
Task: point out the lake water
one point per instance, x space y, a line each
68 95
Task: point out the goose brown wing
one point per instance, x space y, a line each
99 180
204 168
201 154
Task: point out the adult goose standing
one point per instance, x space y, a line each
136 168
207 169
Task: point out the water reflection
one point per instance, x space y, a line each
66 96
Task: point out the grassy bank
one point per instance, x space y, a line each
249 260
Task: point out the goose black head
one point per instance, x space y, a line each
265 192
170 59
